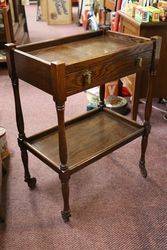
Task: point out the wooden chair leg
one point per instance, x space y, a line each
31 181
66 214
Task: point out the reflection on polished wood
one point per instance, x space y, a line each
87 138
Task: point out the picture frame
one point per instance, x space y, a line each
59 12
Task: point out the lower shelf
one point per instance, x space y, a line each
87 139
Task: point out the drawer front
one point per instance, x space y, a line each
106 71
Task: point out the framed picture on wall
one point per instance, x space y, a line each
59 11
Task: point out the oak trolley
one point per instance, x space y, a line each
68 66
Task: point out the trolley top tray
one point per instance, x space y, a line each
84 50
82 47
81 62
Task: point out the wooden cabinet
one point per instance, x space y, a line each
13 25
130 26
6 30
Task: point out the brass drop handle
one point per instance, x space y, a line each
87 77
139 62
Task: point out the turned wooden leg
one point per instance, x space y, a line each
135 106
58 75
102 95
19 115
65 192
143 150
27 177
149 76
147 126
2 217
136 94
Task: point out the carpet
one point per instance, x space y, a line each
113 206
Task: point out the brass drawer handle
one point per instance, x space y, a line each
139 62
87 77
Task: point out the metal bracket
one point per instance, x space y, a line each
139 62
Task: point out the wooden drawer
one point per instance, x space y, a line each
67 66
106 71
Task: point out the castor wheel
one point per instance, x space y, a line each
143 172
66 215
31 182
143 169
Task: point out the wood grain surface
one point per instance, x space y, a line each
105 55
86 138
83 50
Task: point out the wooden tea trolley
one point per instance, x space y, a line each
68 66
